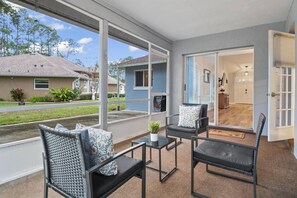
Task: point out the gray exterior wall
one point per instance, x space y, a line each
256 36
291 25
159 85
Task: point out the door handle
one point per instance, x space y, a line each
274 94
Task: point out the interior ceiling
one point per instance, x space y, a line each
238 62
182 19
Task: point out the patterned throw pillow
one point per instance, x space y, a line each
101 148
85 142
188 115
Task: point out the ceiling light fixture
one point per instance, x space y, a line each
246 72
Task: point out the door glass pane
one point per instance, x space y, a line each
289 71
289 101
277 98
289 83
284 70
277 117
284 83
200 81
284 115
289 117
284 100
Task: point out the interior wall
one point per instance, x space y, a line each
256 36
292 22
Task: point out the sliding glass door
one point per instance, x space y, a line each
200 83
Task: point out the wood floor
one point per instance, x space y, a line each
237 115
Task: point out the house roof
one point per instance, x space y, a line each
142 61
37 65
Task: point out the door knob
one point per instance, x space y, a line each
274 94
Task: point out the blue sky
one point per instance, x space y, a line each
88 49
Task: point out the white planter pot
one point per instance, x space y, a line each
154 137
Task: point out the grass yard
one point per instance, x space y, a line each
15 104
54 113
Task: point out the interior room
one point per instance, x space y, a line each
236 88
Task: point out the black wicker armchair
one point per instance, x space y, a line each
65 166
172 129
227 155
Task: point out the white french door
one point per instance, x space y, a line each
281 86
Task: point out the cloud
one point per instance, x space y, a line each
57 26
85 41
64 47
39 17
133 49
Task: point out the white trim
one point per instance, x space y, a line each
34 87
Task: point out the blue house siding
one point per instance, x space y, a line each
159 85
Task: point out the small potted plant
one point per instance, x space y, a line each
154 127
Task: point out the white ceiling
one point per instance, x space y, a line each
182 19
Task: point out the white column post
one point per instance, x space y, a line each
149 82
103 73
168 84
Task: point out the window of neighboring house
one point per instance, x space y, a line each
141 79
41 84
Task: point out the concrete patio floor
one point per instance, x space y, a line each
277 173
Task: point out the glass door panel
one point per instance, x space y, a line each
200 84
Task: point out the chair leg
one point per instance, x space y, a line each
45 190
143 188
173 146
255 184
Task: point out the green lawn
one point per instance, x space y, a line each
46 114
14 104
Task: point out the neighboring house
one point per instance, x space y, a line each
36 74
136 76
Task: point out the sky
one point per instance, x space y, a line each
88 49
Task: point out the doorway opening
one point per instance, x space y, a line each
236 88
225 81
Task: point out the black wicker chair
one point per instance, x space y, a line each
227 155
172 129
65 166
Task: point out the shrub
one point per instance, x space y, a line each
87 96
17 94
1 99
110 95
122 95
40 99
63 94
76 93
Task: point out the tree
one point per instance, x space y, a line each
113 69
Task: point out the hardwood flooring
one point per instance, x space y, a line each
237 115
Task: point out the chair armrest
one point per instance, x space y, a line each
199 120
194 138
100 165
168 117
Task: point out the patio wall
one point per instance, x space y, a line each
292 23
22 158
256 36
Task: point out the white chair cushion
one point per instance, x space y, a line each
188 115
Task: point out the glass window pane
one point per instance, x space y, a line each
284 83
277 117
41 86
289 101
277 102
289 71
139 78
289 118
284 115
145 73
289 83
284 70
284 100
41 81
